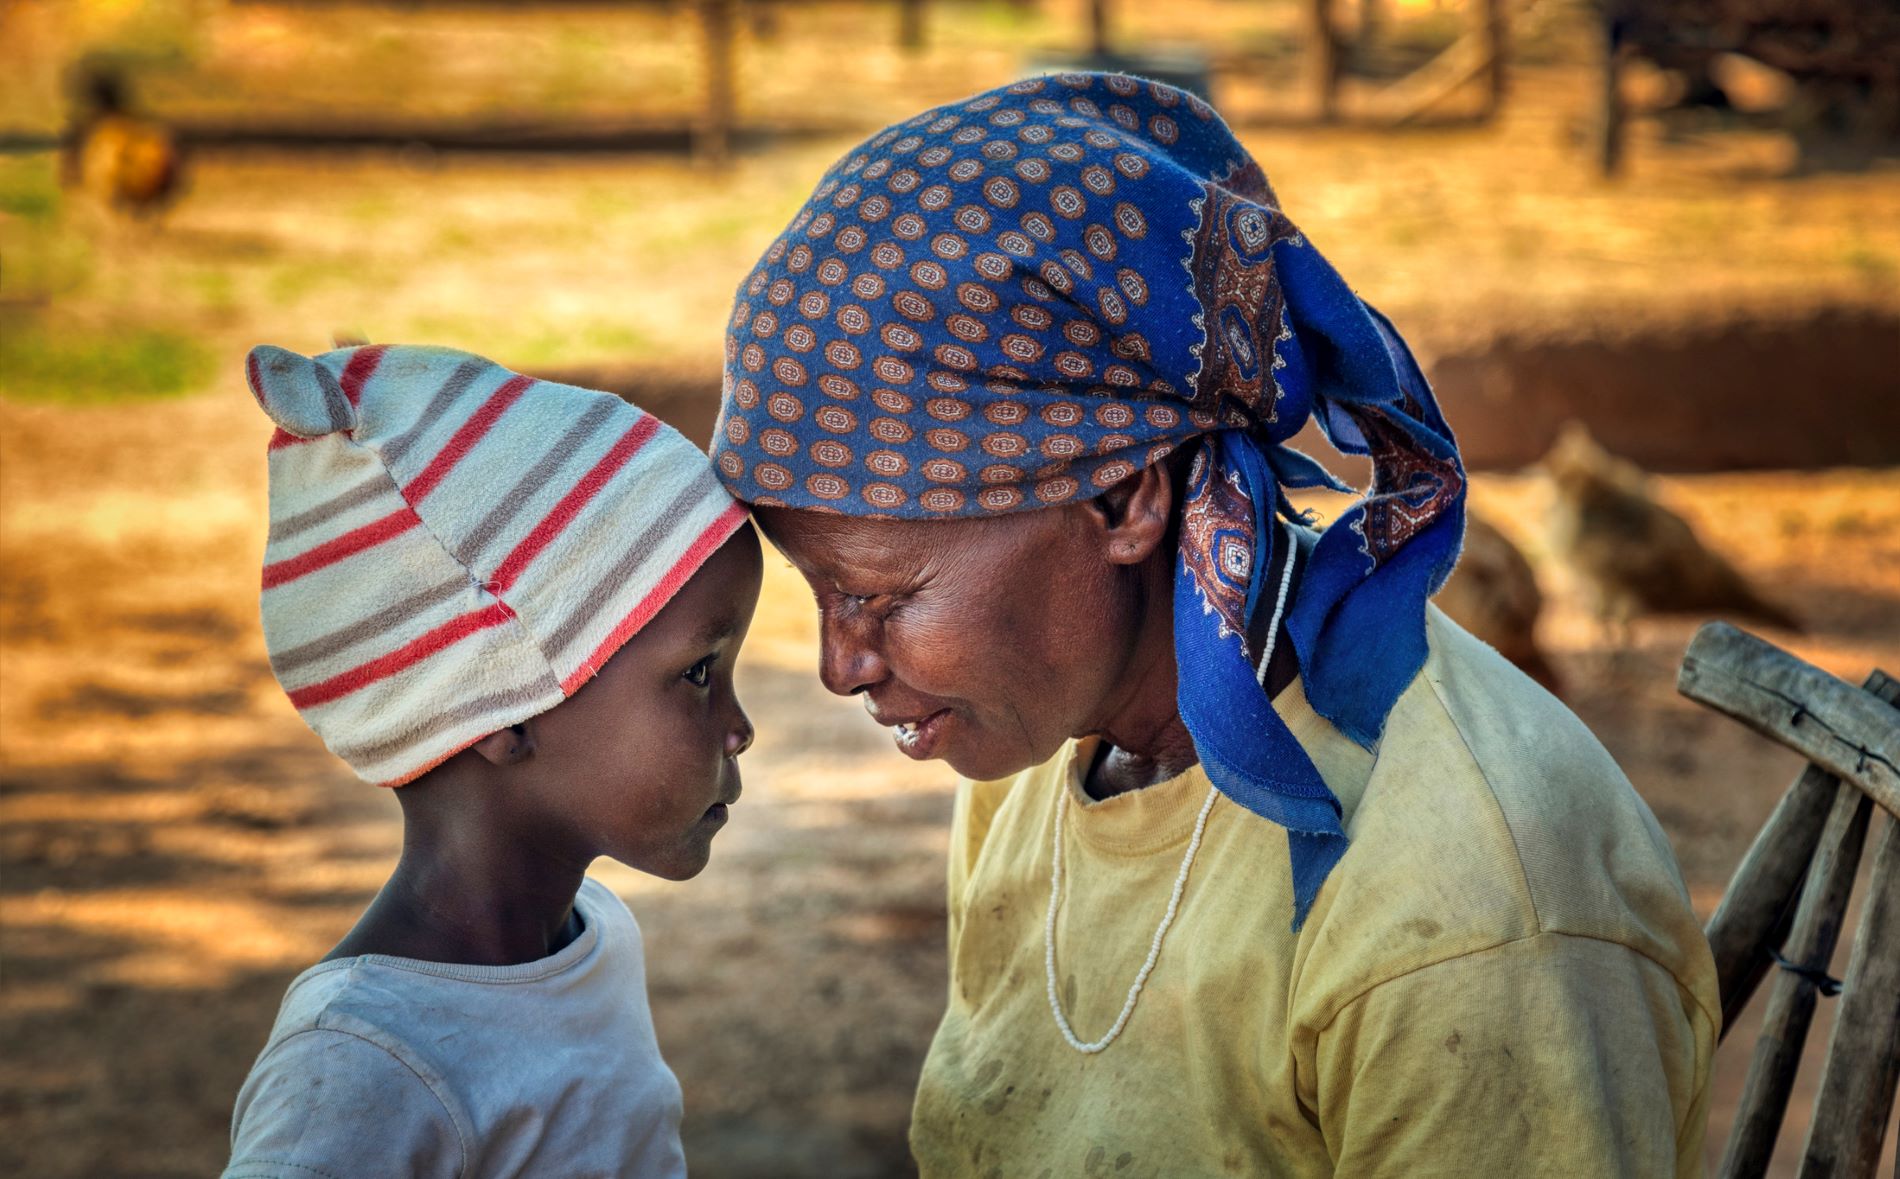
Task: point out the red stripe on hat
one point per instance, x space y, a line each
682 571
465 438
350 543
281 438
577 497
403 657
362 363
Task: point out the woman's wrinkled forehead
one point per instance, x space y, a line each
828 545
879 554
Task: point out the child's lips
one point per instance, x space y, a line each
717 812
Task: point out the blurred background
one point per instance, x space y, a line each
1650 256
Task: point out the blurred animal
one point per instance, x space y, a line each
1493 594
129 163
1634 555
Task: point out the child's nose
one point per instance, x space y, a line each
740 738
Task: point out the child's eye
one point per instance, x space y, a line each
700 673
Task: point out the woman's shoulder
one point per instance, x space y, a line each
1586 844
1491 814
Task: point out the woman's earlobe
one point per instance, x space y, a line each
1136 513
508 747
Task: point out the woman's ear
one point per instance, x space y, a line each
509 747
1134 514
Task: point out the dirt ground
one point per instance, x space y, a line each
175 845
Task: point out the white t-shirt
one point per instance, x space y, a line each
390 1066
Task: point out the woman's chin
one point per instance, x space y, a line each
984 760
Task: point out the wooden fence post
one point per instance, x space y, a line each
718 30
910 25
1493 33
1751 919
1610 114
1817 925
1863 1058
1833 724
1325 61
1371 21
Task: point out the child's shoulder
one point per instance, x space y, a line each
408 1046
311 996
602 908
325 1074
387 997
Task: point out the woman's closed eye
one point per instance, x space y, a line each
875 600
876 606
862 603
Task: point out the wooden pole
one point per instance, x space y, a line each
1817 925
1609 128
1743 930
1750 920
718 29
1863 1059
1493 34
1325 58
1831 723
910 25
1098 28
1371 20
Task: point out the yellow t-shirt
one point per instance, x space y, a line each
1502 977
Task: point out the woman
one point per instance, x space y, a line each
1263 866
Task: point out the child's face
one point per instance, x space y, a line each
641 762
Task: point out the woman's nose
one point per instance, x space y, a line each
847 662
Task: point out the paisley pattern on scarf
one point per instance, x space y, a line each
1239 292
1410 490
1017 301
1217 542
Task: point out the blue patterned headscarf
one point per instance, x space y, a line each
1021 299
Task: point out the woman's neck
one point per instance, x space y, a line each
1144 740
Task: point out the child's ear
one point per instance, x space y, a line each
509 747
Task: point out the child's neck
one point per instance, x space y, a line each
456 897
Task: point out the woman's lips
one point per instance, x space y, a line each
919 739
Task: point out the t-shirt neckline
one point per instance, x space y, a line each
1158 817
587 907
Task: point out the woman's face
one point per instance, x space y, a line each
986 643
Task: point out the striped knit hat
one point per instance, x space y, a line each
455 548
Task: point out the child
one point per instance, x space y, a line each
521 603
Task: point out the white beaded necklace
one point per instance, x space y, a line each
1180 879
